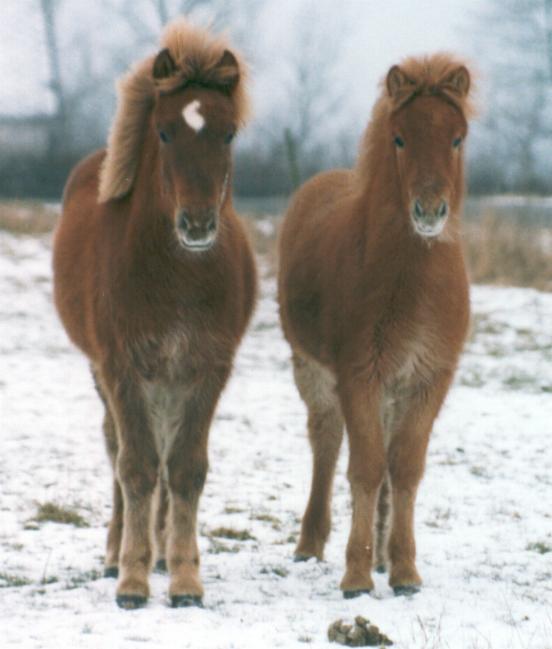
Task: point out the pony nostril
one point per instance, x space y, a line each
211 224
418 210
184 220
443 209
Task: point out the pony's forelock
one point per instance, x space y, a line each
428 76
197 52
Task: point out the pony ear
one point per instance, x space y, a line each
458 81
399 86
164 65
226 73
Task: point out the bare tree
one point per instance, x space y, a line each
314 90
146 17
49 10
518 38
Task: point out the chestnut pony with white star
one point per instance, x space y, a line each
155 282
374 302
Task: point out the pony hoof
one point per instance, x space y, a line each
161 565
131 602
408 590
185 601
111 572
301 558
381 569
352 594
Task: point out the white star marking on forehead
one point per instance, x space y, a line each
192 116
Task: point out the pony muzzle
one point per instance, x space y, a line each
197 231
429 219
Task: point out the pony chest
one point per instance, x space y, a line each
410 367
417 358
165 403
164 357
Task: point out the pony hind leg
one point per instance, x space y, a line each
382 526
316 386
115 528
161 521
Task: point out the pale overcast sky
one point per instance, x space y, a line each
378 34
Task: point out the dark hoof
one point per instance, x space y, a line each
300 558
112 572
130 602
407 591
161 565
351 594
184 601
381 569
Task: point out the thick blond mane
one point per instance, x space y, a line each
428 76
196 52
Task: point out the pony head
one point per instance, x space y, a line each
426 129
190 98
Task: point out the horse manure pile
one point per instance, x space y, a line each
359 634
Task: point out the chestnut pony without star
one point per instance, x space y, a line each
155 283
374 303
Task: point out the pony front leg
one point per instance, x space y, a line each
407 454
360 404
187 477
325 426
114 533
137 472
187 469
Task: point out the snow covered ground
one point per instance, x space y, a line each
484 516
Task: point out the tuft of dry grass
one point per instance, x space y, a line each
27 217
230 533
508 254
8 580
55 513
540 546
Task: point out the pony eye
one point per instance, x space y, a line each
228 138
163 136
456 142
399 142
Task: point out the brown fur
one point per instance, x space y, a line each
159 318
376 313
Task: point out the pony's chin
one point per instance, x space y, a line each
429 231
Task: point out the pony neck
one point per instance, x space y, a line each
385 217
148 206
